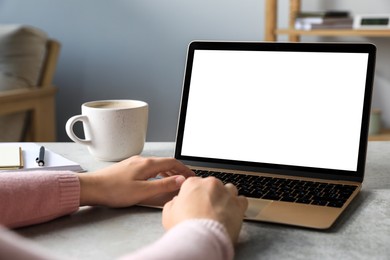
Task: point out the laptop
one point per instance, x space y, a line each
287 123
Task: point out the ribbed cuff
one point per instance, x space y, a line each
220 233
69 189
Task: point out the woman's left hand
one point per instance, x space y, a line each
126 183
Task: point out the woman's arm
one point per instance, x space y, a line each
191 239
33 197
28 198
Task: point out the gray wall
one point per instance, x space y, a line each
135 49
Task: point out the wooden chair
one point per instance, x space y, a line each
39 102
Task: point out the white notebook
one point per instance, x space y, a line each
53 161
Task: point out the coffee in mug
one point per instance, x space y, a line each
113 129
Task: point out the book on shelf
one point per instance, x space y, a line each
26 158
322 14
323 20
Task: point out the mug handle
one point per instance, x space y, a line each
69 129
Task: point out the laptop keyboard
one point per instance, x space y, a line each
289 190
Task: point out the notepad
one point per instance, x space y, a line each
53 161
10 157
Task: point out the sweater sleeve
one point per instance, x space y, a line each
191 239
33 197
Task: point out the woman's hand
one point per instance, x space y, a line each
126 183
207 198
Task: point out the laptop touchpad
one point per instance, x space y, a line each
255 206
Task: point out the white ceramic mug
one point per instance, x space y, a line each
113 129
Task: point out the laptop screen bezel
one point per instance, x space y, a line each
357 175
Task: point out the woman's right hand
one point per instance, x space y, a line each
207 198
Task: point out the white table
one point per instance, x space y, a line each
362 232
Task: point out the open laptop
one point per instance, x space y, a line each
285 122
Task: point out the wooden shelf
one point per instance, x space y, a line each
338 32
383 136
272 30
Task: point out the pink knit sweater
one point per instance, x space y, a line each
28 198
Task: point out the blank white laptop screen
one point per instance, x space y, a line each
288 108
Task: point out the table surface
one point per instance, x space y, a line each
362 231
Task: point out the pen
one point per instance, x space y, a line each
41 158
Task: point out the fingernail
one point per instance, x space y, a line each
179 180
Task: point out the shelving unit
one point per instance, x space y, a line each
272 32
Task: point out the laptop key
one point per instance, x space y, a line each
271 196
319 202
336 204
304 201
288 199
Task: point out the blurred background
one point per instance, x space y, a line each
136 49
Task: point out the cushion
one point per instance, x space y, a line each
22 51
